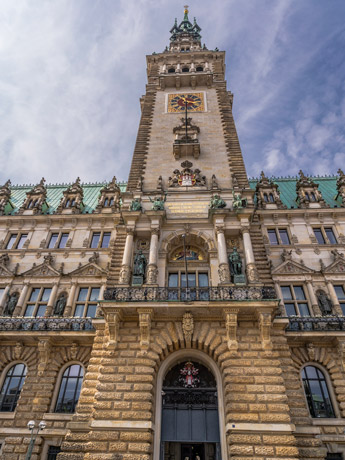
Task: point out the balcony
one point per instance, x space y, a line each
203 294
186 147
45 324
316 324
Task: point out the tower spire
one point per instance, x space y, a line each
186 33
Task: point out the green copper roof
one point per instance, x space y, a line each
55 193
287 189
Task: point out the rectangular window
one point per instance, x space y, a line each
53 451
197 286
330 235
63 240
284 236
295 301
16 241
272 236
87 300
21 241
95 239
105 240
53 239
11 241
325 235
340 291
319 236
37 303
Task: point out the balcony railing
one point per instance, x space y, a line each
203 294
45 324
322 323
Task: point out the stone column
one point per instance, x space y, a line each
21 300
125 272
52 299
223 270
313 298
251 271
70 300
334 298
152 270
4 298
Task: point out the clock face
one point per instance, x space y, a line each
194 101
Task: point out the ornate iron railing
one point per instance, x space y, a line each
320 323
45 324
204 294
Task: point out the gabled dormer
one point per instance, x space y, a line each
341 188
267 194
109 198
308 193
35 201
6 206
72 200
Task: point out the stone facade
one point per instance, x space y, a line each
93 276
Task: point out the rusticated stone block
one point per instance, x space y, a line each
137 415
263 450
118 446
241 450
284 418
245 439
247 417
273 440
139 447
287 451
96 446
136 436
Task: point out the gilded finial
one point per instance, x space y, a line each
186 9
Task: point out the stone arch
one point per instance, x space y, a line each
18 353
172 359
206 240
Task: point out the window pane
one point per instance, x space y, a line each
53 240
106 240
2 290
46 294
79 310
95 239
41 311
75 370
286 291
284 236
69 390
173 280
52 452
290 309
330 235
83 294
191 280
94 294
340 292
11 388
91 311
311 372
21 241
272 236
34 294
319 235
11 241
303 309
299 293
203 279
63 240
29 310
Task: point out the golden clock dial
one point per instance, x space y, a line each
178 102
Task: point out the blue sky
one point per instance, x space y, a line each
72 73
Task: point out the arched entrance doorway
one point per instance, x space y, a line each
190 419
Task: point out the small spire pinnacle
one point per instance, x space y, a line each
186 13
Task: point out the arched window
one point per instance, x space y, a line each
307 196
199 69
171 70
106 202
68 202
271 197
185 69
266 197
30 204
111 201
316 392
12 387
70 387
73 202
313 197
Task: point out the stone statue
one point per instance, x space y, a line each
139 264
173 180
324 302
60 305
136 205
217 202
158 202
235 262
239 202
11 304
214 183
199 179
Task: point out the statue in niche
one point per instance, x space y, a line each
158 202
235 262
136 205
60 305
239 202
11 304
217 202
324 302
139 264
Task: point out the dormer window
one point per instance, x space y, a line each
271 197
313 197
171 70
185 69
199 69
266 197
307 196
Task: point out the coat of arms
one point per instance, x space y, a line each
187 177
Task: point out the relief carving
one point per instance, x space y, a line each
188 327
231 328
145 317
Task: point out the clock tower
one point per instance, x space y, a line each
186 361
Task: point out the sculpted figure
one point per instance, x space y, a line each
139 264
217 202
173 180
238 202
136 205
324 302
60 305
235 262
158 202
199 179
11 304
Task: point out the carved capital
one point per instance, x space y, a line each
44 348
219 229
224 273
265 321
130 231
230 315
252 273
113 319
125 274
152 274
155 231
188 327
145 318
